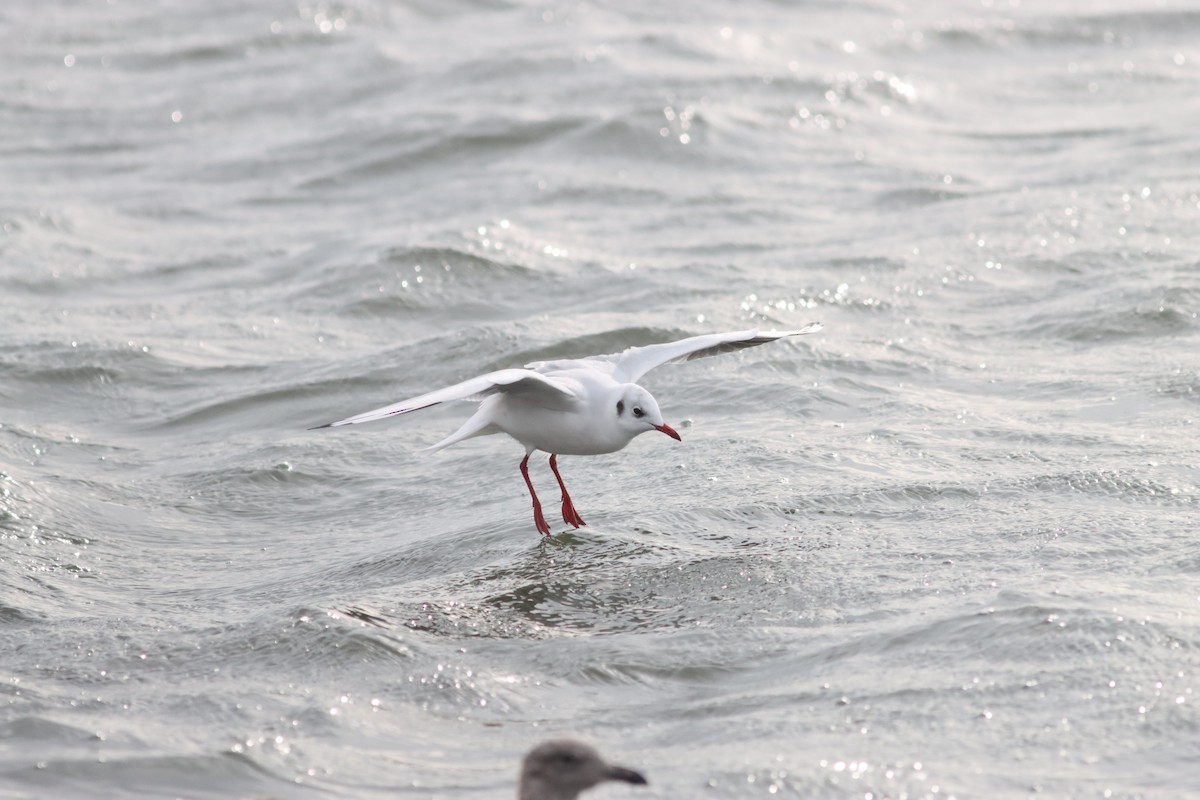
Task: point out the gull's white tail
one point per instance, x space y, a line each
480 424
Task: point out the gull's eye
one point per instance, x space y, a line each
620 407
637 412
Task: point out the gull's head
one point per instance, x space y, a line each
562 768
637 412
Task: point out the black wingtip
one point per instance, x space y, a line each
318 427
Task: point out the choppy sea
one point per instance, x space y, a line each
947 548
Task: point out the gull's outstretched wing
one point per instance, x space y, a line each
537 389
635 362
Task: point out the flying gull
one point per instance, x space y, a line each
578 407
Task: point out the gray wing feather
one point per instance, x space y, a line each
635 362
537 388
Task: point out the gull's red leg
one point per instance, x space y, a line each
538 519
570 515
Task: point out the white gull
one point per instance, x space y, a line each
577 407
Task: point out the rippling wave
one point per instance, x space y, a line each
941 549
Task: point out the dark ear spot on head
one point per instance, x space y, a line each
620 407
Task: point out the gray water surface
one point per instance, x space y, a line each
945 548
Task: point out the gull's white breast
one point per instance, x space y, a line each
584 426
